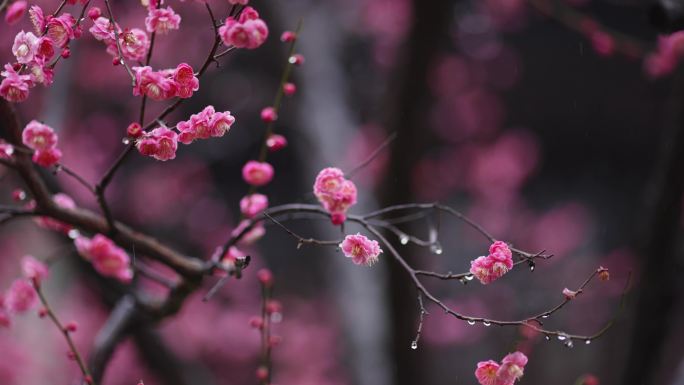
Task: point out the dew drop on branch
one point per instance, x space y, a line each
403 239
73 233
487 323
471 322
587 342
414 345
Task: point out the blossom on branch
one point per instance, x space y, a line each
511 369
107 258
335 193
162 20
160 143
43 140
248 31
204 125
253 204
493 266
257 173
360 249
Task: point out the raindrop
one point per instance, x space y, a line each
58 168
414 345
547 337
545 316
471 322
569 344
403 239
469 277
9 151
487 323
125 141
292 59
463 281
532 267
587 342
436 248
121 61
73 233
562 337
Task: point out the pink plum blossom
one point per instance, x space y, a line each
276 142
569 294
269 115
33 269
20 297
155 84
335 193
14 87
37 19
134 44
61 29
162 20
47 158
160 143
486 372
257 173
360 249
493 266
63 201
107 258
103 30
204 125
511 369
253 204
6 150
249 31
251 235
15 12
24 47
38 136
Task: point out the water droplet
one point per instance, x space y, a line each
125 141
403 239
545 316
9 151
569 344
292 59
276 317
58 168
469 277
547 337
587 342
471 322
532 267
487 323
562 337
414 345
73 233
121 61
436 248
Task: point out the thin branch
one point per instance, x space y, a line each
75 175
350 174
301 240
117 36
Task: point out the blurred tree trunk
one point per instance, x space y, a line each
659 284
406 114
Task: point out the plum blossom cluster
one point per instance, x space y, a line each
360 249
161 20
34 52
63 201
247 31
666 56
42 139
493 266
165 84
508 372
21 295
107 258
162 142
134 42
335 193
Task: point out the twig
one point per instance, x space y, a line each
350 174
122 61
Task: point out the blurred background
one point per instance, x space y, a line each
536 118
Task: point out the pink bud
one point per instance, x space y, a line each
116 61
134 130
256 322
265 277
276 142
262 373
296 59
269 115
603 274
288 37
71 327
15 11
66 52
273 306
289 89
257 173
94 13
42 312
569 294
71 355
338 218
88 380
18 195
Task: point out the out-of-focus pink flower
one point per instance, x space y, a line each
38 136
47 158
486 372
63 201
360 249
335 193
269 115
14 87
590 379
664 59
6 150
20 297
569 294
15 11
276 142
37 19
257 173
94 13
493 266
162 20
603 43
288 37
228 260
289 89
249 31
242 2
160 143
252 235
33 269
107 258
103 30
253 204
